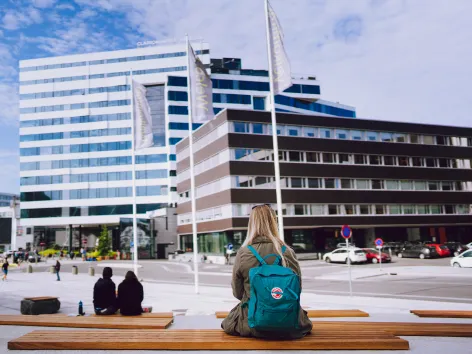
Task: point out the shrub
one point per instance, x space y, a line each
103 242
48 252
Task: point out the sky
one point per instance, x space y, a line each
396 60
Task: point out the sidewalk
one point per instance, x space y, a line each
197 310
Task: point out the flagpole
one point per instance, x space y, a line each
133 163
192 175
278 191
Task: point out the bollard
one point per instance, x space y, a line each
91 271
75 270
52 269
30 268
319 256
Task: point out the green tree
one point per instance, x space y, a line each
103 242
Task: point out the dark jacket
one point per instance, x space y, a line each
237 321
130 296
5 266
104 293
57 267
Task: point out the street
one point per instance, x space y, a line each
414 279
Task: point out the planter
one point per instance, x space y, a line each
100 258
107 258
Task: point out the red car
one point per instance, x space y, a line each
442 250
373 256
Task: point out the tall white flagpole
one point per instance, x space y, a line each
133 162
278 191
192 173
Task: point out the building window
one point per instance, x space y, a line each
326 133
407 185
299 209
240 127
433 186
344 159
346 183
360 159
295 156
364 209
357 135
258 128
328 157
362 184
394 209
312 157
293 131
399 138
428 139
314 183
420 185
380 209
422 209
372 136
349 209
298 182
449 209
260 181
436 209
341 134
417 161
445 163
258 103
391 184
447 186
386 137
309 132
317 209
414 139
374 159
390 160
377 184
409 209
430 162
330 183
403 161
332 209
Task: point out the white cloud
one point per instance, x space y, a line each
8 103
10 171
44 3
65 7
13 20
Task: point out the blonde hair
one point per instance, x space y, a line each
263 223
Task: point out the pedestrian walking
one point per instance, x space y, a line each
57 267
5 269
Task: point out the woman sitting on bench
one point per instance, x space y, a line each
130 295
267 281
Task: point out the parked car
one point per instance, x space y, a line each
343 245
373 256
356 255
33 258
395 247
418 251
442 250
455 247
462 261
469 246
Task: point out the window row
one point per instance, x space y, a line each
205 165
183 126
346 134
110 61
183 110
75 120
67 107
347 183
217 97
75 92
76 148
76 134
92 177
314 106
92 162
349 159
88 211
92 193
244 210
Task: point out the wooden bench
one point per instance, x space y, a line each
400 328
143 315
201 340
86 322
319 313
442 313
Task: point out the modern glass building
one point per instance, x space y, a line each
6 198
75 133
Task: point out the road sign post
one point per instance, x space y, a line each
346 232
379 243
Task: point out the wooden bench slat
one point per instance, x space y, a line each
85 322
318 313
442 313
402 328
194 340
41 298
144 315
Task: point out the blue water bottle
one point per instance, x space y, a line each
81 308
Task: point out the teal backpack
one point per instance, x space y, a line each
274 301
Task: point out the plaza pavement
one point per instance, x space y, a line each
197 310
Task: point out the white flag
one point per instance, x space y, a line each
280 65
143 137
201 89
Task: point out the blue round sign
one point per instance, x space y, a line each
346 232
379 242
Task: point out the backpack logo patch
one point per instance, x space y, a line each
277 293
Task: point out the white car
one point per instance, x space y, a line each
469 246
356 255
463 260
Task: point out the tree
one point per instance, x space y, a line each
103 242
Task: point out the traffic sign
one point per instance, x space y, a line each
131 244
346 232
379 242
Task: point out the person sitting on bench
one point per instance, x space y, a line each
130 295
104 294
269 288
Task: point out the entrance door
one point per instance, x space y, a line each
161 251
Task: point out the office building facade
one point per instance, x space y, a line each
75 134
398 181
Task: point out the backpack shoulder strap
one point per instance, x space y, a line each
259 258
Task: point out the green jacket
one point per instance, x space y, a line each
237 321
